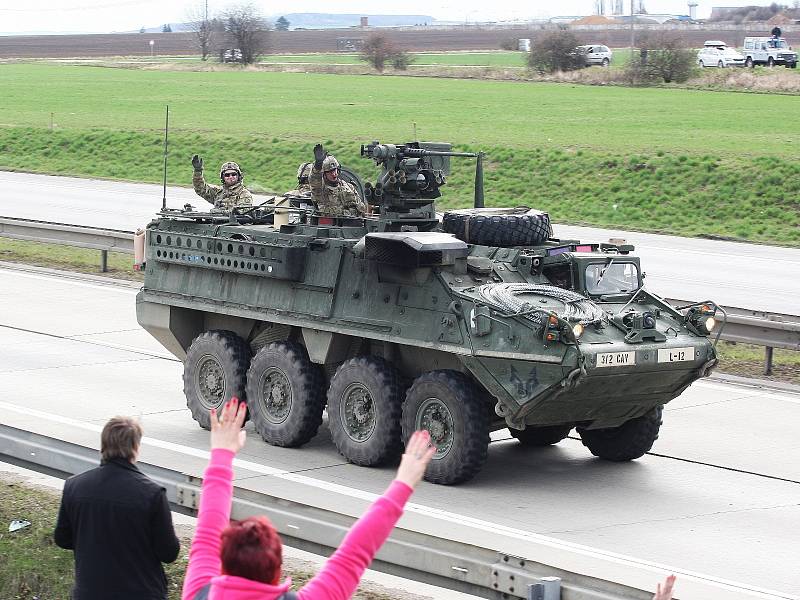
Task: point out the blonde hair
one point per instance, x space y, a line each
120 439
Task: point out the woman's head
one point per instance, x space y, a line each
252 549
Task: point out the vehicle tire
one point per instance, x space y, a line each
498 226
541 436
721 65
794 65
605 62
626 442
285 394
365 402
749 62
701 63
214 370
449 406
770 62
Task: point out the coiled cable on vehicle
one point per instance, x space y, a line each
577 308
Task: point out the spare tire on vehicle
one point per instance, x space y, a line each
520 226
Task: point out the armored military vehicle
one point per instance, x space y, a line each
462 324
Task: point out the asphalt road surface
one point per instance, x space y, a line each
751 276
718 495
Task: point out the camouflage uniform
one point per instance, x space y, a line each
303 187
225 196
339 200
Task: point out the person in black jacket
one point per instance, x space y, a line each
117 522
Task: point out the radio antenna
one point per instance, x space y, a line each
166 138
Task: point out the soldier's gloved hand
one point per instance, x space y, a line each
319 156
197 163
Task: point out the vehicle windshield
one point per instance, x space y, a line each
778 44
612 278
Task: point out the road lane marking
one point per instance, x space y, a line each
57 279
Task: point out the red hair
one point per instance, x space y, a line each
252 549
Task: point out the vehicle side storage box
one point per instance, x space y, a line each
248 257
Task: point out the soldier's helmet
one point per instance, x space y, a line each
230 166
303 172
329 164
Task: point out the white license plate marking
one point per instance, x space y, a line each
666 355
616 359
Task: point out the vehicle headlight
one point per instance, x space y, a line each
709 324
577 330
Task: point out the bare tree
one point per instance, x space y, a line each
204 29
663 56
379 50
555 51
247 30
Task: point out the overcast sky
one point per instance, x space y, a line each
104 16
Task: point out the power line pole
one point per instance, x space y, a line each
632 38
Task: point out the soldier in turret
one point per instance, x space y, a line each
303 173
332 195
231 194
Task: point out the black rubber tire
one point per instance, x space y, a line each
541 436
449 406
626 442
770 62
498 227
794 65
605 62
286 409
749 62
721 65
367 387
214 354
702 64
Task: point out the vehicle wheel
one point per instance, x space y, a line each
748 62
721 65
605 62
448 405
541 436
214 370
701 63
498 227
626 442
770 62
285 394
794 65
365 402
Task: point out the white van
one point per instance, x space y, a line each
769 51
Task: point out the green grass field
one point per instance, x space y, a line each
670 160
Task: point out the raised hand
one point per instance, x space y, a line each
319 156
418 454
226 430
197 163
665 593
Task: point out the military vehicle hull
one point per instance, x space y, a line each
394 331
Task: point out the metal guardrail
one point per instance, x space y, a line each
94 238
502 567
771 330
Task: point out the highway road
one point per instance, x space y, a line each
752 276
718 495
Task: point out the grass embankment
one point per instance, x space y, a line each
736 359
674 161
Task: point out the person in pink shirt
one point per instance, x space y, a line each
241 560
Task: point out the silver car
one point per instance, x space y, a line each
595 54
715 53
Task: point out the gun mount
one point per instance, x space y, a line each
410 178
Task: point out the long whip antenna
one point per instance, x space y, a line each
166 139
